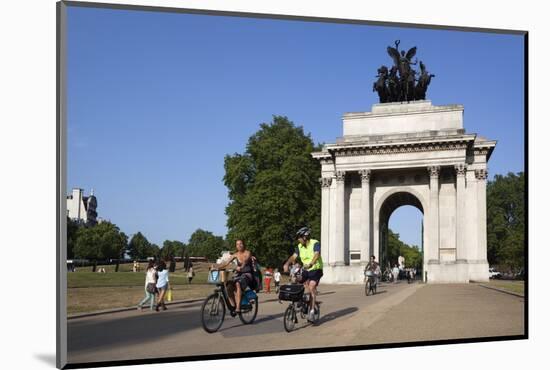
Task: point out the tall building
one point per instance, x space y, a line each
82 208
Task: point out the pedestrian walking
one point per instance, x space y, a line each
190 274
150 286
277 280
268 274
395 273
163 284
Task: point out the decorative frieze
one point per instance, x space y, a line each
365 175
325 181
481 174
400 148
340 176
434 171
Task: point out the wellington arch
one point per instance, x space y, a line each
405 153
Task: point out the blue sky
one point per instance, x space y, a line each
156 100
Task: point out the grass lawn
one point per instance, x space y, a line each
80 300
92 291
514 286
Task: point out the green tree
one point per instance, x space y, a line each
154 251
72 229
506 221
273 190
139 247
205 243
172 248
100 242
396 247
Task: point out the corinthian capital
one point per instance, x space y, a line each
434 171
481 174
460 169
365 175
325 181
340 176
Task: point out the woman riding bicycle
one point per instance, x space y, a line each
243 277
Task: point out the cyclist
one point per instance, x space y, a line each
309 251
243 277
374 267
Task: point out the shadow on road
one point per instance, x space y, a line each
138 328
256 322
335 315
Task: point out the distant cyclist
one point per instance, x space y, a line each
309 252
374 267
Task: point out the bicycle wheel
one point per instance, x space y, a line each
212 313
289 318
368 288
248 315
317 315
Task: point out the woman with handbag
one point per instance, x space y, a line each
163 284
150 286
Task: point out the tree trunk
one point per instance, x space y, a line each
172 265
186 264
94 266
117 264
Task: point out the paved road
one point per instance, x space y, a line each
400 312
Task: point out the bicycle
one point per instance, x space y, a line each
214 306
299 302
370 285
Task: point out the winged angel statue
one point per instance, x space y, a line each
399 83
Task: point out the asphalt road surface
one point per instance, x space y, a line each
398 313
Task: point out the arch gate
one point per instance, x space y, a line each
405 154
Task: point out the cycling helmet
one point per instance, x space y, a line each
303 232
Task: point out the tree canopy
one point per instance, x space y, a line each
205 244
72 229
139 247
273 190
102 241
172 248
396 248
506 221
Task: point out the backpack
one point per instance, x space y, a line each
257 273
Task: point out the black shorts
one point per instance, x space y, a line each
314 275
244 280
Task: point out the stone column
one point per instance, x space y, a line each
339 258
325 217
481 176
433 225
461 252
365 216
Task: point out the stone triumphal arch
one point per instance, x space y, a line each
405 153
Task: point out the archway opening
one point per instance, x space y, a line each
402 233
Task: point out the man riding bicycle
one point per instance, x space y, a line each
243 277
374 267
309 251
